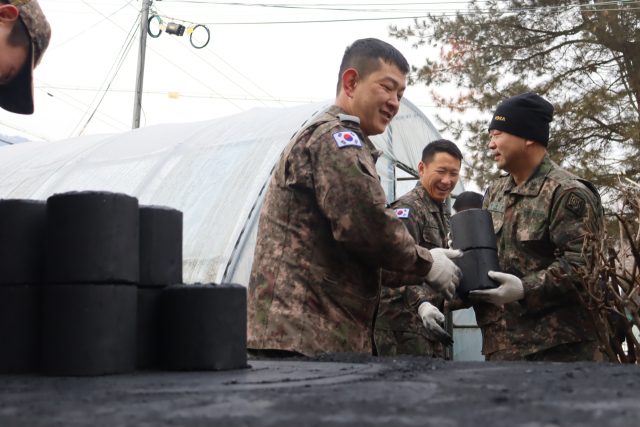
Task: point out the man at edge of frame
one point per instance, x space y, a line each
24 37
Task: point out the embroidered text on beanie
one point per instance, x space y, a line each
527 115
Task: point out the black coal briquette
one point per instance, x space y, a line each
19 328
475 264
473 229
148 327
92 237
204 327
22 230
160 245
88 329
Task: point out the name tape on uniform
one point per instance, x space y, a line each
347 138
402 213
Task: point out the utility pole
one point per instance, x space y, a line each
144 27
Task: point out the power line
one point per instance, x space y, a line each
78 108
56 88
25 131
181 69
119 57
342 7
424 13
211 65
220 72
203 95
300 100
124 50
87 29
385 18
124 55
250 81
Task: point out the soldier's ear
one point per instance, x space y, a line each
421 168
8 13
530 142
350 79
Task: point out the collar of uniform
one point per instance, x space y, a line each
533 184
334 110
431 204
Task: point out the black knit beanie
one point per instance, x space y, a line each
527 115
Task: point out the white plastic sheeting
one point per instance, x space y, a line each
214 171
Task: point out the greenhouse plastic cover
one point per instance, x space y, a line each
214 171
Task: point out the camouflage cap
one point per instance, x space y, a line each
17 95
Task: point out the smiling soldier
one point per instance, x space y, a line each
324 232
538 211
24 36
410 317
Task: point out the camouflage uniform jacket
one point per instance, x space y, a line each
428 223
540 230
323 236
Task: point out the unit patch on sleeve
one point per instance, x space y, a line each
346 138
402 213
575 203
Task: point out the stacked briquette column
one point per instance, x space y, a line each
22 225
91 268
160 266
184 327
90 284
472 232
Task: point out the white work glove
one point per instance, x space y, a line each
510 290
444 276
434 322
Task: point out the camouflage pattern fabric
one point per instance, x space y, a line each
571 352
37 25
540 230
323 236
403 343
399 329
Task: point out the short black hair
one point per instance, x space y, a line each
364 56
440 146
468 200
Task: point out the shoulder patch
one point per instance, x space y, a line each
348 118
575 203
402 212
347 138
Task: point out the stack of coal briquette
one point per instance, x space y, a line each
472 232
90 284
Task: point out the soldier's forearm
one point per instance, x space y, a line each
394 279
548 288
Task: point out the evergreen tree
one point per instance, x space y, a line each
582 56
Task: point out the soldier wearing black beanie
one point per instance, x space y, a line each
527 115
539 211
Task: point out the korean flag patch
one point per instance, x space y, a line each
346 137
403 213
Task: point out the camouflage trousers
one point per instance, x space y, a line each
584 351
400 343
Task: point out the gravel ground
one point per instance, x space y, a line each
336 389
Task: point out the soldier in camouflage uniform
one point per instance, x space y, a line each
324 232
24 37
399 327
538 215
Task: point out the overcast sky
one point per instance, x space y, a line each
291 63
